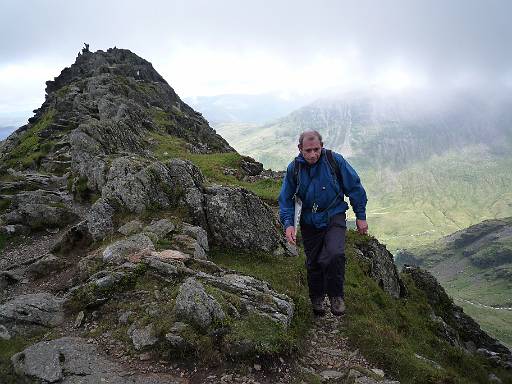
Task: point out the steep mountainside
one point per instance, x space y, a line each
475 267
136 248
432 164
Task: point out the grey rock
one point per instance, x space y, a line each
161 228
73 361
255 295
14 229
77 236
175 338
118 251
4 333
40 209
130 228
164 268
197 233
100 219
79 319
137 184
95 291
38 308
124 317
8 278
194 305
329 375
238 219
250 166
142 337
188 188
382 267
46 265
190 246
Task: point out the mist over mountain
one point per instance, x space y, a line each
433 163
388 130
256 109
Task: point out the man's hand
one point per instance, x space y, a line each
362 226
290 235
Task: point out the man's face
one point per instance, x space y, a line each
311 150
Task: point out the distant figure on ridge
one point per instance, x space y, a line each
317 179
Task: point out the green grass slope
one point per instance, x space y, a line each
391 333
474 266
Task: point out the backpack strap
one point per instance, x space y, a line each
296 175
335 168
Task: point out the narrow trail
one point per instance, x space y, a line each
480 305
325 356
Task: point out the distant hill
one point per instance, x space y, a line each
433 164
474 265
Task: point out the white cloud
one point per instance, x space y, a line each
22 84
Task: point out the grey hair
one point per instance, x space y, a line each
309 134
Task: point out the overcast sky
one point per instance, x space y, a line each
251 47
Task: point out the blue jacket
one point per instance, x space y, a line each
319 184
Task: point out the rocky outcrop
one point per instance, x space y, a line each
118 252
71 360
381 266
34 309
238 219
40 209
197 307
454 325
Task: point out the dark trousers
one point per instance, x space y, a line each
325 257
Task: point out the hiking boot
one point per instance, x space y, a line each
318 306
337 305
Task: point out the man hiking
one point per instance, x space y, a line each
320 178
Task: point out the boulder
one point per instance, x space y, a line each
4 333
76 237
96 291
161 228
119 251
38 309
197 307
40 209
188 188
130 228
238 219
70 360
46 265
137 184
176 339
250 166
8 278
189 245
197 233
142 337
255 295
100 219
381 267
